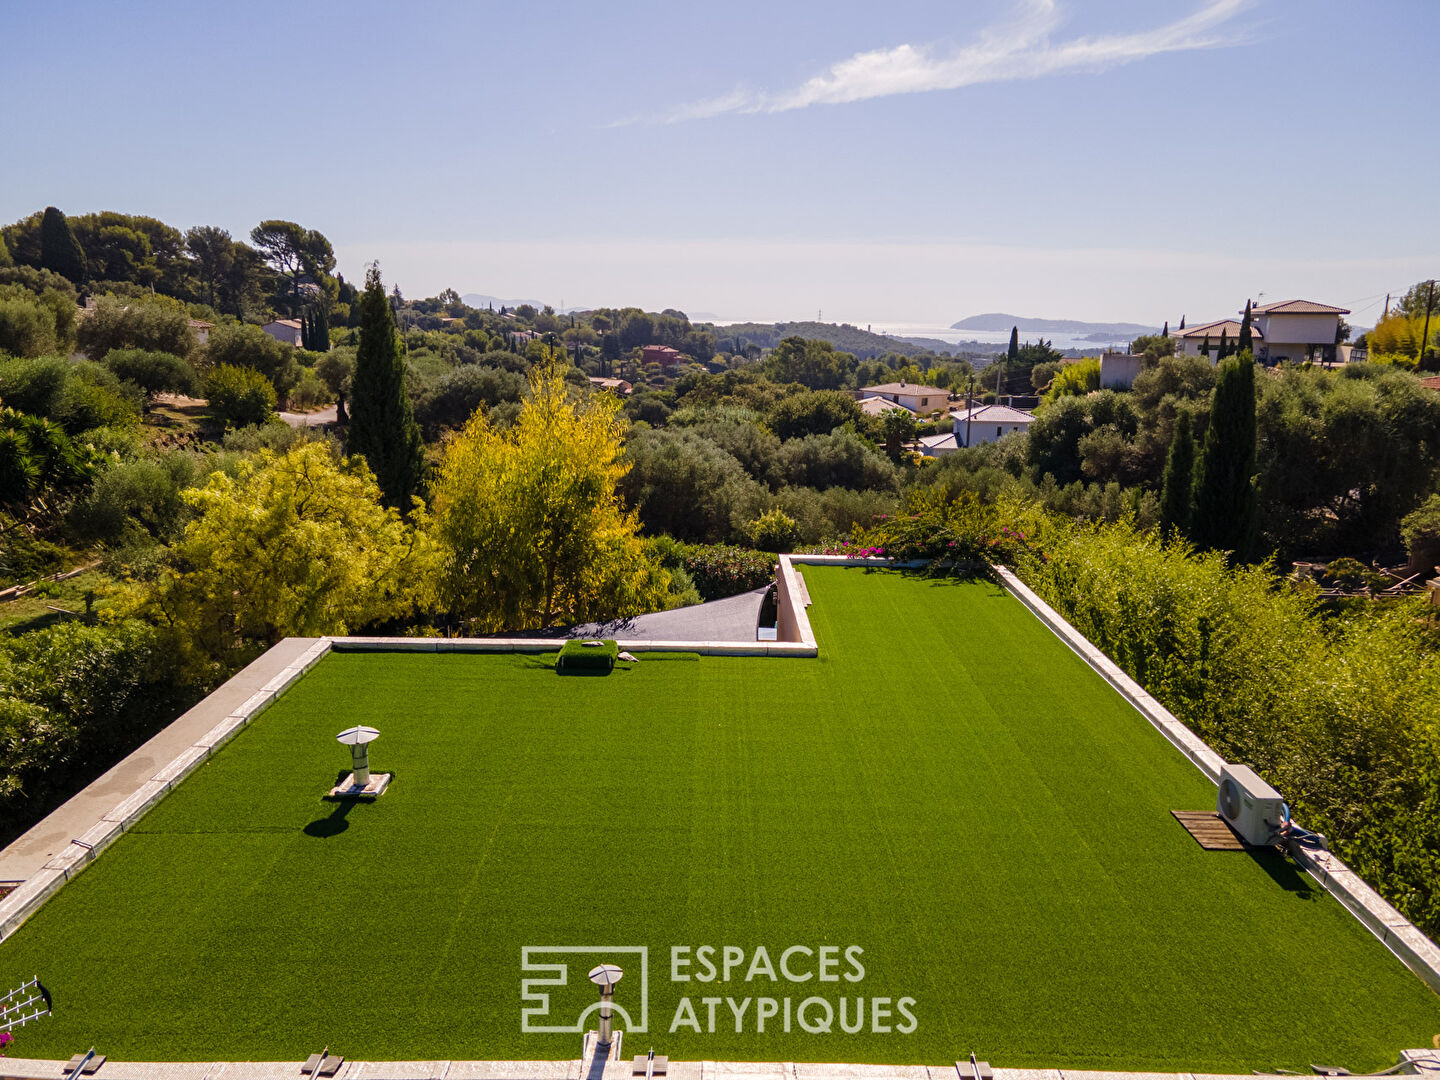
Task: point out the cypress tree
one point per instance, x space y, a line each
1165 330
1177 487
1246 340
1207 347
59 250
1224 344
1182 322
1013 353
307 339
382 428
1224 514
322 343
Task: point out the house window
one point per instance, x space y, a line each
924 401
997 431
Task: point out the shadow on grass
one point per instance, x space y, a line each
335 824
1285 873
338 819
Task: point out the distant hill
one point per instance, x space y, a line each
483 300
843 336
1000 321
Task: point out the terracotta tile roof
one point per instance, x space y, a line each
905 388
1431 382
1231 327
1298 307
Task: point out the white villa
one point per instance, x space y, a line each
987 423
1296 330
916 398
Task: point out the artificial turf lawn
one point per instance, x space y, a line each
947 787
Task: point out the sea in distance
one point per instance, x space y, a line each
976 340
999 338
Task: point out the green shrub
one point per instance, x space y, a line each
963 532
74 699
158 324
240 396
243 346
774 531
153 372
580 656
721 570
310 391
1421 530
77 395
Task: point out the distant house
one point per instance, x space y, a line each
202 330
286 330
1191 341
663 355
938 445
987 423
916 398
1297 330
874 406
1431 382
1118 370
615 386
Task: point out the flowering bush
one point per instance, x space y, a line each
5 1040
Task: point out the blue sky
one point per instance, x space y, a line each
896 163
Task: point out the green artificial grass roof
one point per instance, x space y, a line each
948 787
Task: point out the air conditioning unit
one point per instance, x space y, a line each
1249 805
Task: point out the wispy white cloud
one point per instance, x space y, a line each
1020 48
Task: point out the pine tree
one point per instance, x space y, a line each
1176 491
382 428
1246 340
1224 515
59 250
1014 352
5 259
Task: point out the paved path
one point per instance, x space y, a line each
734 618
33 849
318 418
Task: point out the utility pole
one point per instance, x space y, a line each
1425 337
969 405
